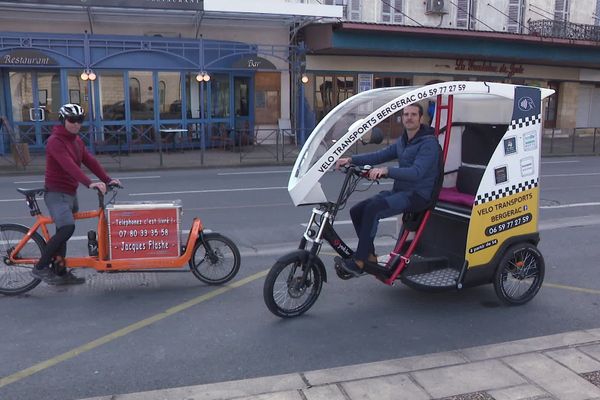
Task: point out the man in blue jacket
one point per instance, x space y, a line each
418 153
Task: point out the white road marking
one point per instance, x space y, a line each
561 175
125 177
348 221
572 205
254 172
208 191
560 162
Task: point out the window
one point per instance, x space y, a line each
515 16
391 11
134 90
597 16
112 95
561 10
169 95
78 90
465 13
388 81
462 13
141 95
267 96
331 90
354 12
195 107
219 84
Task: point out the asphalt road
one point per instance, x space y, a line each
123 333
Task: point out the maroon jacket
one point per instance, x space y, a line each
65 152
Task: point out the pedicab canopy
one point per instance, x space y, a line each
518 107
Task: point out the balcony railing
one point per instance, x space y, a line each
564 30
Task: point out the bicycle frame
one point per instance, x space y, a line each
101 262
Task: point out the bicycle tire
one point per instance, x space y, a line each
208 261
16 279
275 291
519 274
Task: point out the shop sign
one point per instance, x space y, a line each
164 4
487 66
26 57
253 62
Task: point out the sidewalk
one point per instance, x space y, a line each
564 366
146 161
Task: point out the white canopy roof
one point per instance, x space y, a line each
474 102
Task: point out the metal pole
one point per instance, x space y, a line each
302 127
203 123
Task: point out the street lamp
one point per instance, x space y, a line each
88 74
203 76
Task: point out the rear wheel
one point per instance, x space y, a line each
520 274
286 292
15 278
215 260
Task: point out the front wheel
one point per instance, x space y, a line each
15 277
519 274
292 287
215 260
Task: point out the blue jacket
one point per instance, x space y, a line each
418 162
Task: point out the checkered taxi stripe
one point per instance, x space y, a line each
527 121
505 192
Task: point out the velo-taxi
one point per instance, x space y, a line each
480 228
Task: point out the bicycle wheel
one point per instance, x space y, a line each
286 293
16 278
519 274
215 260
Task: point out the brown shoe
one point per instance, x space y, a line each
372 258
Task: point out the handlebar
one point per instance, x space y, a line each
109 188
359 170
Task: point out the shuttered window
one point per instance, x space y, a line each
561 10
391 11
515 16
462 13
597 16
353 10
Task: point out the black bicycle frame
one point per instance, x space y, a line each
323 218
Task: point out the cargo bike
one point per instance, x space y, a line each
129 237
481 226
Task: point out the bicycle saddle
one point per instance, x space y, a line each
32 192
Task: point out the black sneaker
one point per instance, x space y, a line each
46 275
68 278
349 266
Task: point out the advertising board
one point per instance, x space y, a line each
144 231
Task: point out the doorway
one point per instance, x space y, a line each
242 105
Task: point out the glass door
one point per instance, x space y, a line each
35 98
241 101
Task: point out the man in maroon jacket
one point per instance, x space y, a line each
65 152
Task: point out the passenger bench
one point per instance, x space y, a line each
477 146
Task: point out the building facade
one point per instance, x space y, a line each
209 72
547 43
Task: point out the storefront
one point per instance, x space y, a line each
347 58
195 73
198 93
